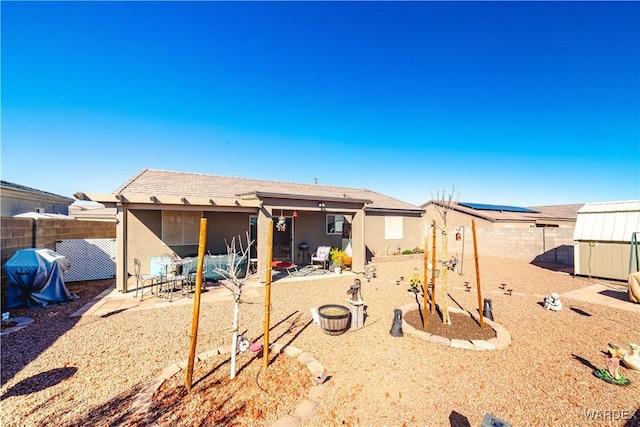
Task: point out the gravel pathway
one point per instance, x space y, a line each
87 370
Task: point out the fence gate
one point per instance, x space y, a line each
91 259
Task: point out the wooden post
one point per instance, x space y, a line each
433 268
475 252
267 297
196 301
425 268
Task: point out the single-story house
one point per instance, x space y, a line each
159 212
92 212
543 234
487 215
19 199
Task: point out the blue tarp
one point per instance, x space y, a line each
36 279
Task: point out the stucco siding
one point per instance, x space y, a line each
145 230
378 245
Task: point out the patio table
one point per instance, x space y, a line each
171 280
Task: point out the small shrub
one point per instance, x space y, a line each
407 252
418 250
337 256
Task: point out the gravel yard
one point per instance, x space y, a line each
85 371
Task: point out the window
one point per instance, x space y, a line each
393 227
181 228
334 224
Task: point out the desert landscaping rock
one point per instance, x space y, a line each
540 376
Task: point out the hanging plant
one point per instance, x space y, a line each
282 223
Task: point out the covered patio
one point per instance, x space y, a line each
158 212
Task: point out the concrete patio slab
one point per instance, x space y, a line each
607 295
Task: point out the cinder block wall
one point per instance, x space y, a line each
48 231
15 234
23 233
548 244
545 244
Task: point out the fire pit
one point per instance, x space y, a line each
334 319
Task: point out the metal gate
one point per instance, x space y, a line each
91 259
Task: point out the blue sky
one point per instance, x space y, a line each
518 103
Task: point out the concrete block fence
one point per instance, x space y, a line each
543 244
23 233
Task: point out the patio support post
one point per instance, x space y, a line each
358 246
121 252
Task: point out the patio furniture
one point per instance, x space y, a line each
190 271
284 265
321 255
142 278
173 268
214 263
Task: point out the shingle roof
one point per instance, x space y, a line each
185 184
560 211
14 186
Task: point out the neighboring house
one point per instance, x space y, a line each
18 199
543 234
564 215
159 212
487 215
92 212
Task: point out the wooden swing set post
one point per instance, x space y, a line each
267 297
433 268
475 252
196 301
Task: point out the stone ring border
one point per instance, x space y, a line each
502 339
305 409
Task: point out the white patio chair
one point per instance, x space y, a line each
321 255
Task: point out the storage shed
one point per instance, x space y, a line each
605 239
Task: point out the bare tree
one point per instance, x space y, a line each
444 202
233 281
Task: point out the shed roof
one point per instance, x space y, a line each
624 206
185 184
608 221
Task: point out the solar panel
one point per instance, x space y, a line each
484 207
